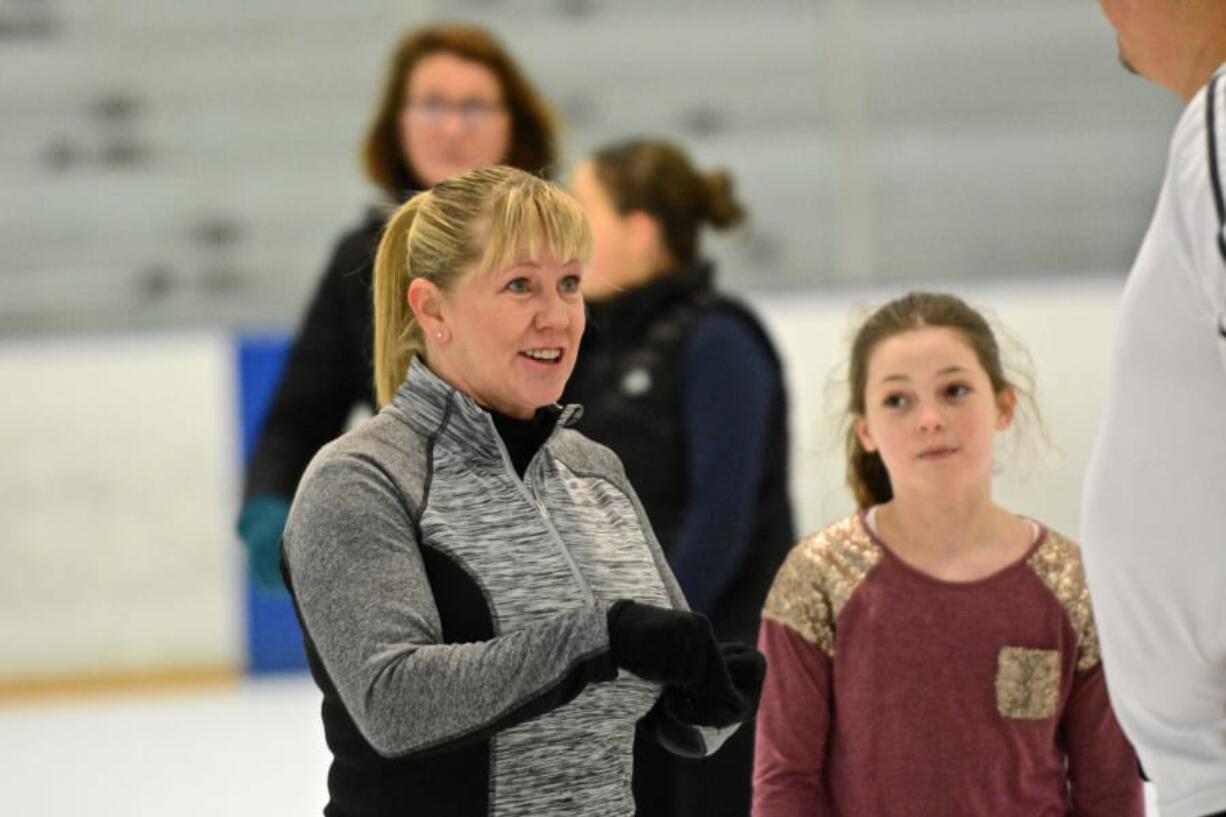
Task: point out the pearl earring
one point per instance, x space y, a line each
439 334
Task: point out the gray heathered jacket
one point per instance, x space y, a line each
455 615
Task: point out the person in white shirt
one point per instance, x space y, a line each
1154 513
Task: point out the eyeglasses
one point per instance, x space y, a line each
474 113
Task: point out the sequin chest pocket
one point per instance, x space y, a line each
1027 683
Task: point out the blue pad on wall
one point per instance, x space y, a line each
274 640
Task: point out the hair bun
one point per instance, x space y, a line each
720 205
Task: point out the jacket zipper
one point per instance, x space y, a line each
570 559
542 511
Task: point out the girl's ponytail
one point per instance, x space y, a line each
867 476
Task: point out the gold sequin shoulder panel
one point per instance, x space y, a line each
818 577
1057 562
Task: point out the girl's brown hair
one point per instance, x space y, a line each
656 177
485 220
866 472
533 141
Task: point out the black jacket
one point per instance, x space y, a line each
643 332
330 368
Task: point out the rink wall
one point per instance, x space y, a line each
123 454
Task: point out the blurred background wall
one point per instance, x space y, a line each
172 164
172 175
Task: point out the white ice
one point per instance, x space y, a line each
254 750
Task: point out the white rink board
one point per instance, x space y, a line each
116 505
118 489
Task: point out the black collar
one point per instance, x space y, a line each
627 315
523 438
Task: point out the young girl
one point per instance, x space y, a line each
934 654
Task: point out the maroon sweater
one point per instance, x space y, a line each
891 692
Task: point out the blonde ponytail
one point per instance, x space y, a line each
397 335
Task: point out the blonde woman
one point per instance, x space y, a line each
486 609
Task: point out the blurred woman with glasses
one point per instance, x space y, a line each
453 100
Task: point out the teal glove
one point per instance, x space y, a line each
260 525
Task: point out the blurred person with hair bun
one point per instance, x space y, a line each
684 385
453 100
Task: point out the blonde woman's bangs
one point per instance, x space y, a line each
530 220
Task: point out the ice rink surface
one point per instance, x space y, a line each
252 750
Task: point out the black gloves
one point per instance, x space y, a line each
706 683
659 644
746 668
